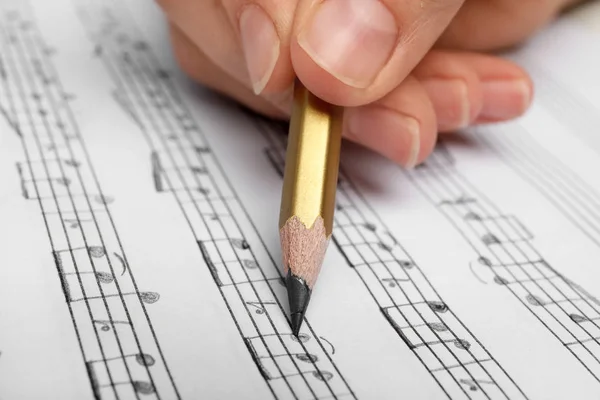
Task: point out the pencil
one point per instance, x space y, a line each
308 198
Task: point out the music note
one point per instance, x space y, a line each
199 170
484 261
145 360
68 96
63 181
74 223
140 45
259 306
437 326
49 51
102 277
322 375
204 191
301 338
240 244
474 384
370 226
385 247
106 324
309 358
149 297
535 300
437 306
162 74
473 216
200 149
102 199
489 239
500 280
139 386
461 344
582 318
393 282
93 251
146 297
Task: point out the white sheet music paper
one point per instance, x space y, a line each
140 253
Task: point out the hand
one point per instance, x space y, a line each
403 69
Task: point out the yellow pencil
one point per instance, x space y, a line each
308 198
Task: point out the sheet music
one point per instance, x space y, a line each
141 259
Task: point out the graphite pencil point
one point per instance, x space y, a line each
298 297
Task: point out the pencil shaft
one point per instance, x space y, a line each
312 161
308 198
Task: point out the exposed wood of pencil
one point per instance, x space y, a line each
303 248
310 183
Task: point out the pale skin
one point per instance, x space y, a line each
404 70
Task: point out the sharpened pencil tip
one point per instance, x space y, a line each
298 297
297 323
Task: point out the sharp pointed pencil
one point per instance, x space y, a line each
308 198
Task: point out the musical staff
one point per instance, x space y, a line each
120 350
554 180
565 309
570 108
456 360
184 166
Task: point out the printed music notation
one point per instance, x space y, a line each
447 349
120 351
564 189
183 165
506 253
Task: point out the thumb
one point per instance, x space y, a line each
353 52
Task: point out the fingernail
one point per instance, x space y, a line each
260 44
450 98
503 99
350 39
392 134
